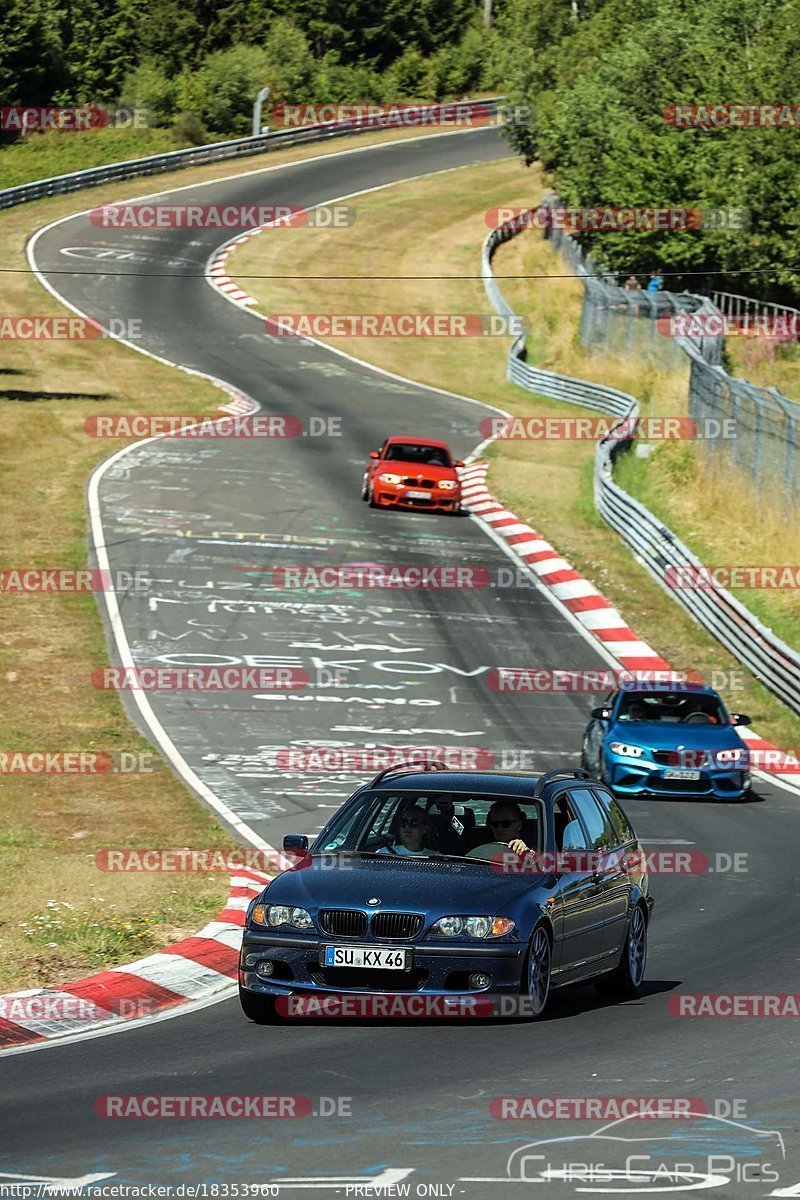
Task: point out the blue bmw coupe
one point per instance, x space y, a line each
663 740
449 884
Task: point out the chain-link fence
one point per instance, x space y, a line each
765 444
617 319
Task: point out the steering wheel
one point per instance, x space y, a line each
488 850
699 718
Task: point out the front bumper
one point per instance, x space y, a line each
638 777
437 970
389 496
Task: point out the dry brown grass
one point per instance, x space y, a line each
433 228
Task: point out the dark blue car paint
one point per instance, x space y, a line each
586 917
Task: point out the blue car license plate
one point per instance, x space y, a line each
380 958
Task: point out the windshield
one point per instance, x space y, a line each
434 456
672 708
432 823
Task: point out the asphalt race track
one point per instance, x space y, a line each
207 520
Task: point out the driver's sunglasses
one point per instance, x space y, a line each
504 824
410 821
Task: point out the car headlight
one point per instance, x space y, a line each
259 914
282 914
390 478
731 756
448 485
476 927
626 750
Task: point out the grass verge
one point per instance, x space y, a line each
59 916
433 228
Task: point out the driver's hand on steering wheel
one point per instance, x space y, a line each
518 846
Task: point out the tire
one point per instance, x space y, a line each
370 498
536 978
626 981
257 1007
364 492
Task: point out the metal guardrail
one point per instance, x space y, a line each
238 148
745 306
656 547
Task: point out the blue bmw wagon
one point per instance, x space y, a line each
448 884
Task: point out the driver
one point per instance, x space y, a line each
506 821
414 830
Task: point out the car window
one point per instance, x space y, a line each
411 453
456 825
340 831
621 823
671 708
569 833
597 824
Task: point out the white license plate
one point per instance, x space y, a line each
381 958
680 773
412 495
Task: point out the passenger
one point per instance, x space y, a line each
414 830
506 821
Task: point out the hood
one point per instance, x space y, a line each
401 884
658 735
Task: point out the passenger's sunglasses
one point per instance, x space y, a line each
503 824
410 821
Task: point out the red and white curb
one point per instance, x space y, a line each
218 269
196 968
586 604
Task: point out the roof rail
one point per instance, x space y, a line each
407 769
560 773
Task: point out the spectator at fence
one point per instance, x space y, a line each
632 284
655 283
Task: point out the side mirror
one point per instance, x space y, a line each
459 463
601 714
740 719
374 454
295 841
